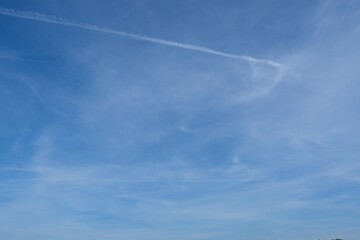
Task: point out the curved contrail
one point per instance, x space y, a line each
72 23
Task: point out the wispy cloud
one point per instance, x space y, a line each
22 59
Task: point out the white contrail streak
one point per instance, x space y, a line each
22 59
72 23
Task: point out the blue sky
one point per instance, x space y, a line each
179 119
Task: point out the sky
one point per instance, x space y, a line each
191 119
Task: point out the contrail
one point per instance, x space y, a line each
72 23
22 59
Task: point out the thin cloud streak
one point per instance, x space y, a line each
23 59
115 181
72 23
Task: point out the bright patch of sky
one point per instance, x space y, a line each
179 119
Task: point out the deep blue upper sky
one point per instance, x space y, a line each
250 132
